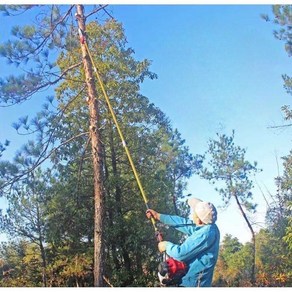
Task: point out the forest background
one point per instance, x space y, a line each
49 213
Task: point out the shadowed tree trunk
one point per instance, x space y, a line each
96 155
253 275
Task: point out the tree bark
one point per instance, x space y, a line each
43 252
253 240
118 198
96 156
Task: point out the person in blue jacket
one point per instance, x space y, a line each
200 250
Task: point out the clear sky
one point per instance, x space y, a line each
219 69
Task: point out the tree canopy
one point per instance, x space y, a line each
50 182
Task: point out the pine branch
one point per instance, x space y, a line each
281 126
39 161
40 46
96 10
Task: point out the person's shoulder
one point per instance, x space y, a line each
204 232
211 228
214 230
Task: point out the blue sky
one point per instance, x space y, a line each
219 68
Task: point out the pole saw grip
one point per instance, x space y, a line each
158 236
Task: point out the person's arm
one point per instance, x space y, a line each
192 246
179 223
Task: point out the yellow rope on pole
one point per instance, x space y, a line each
120 133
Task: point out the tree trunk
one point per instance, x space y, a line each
118 198
44 263
253 240
96 156
42 249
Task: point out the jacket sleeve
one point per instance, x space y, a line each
193 245
181 224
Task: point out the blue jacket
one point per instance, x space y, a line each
199 251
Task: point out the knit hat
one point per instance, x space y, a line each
206 211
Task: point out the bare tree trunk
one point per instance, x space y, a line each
121 236
253 240
96 156
40 240
43 255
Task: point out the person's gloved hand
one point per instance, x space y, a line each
151 213
162 246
